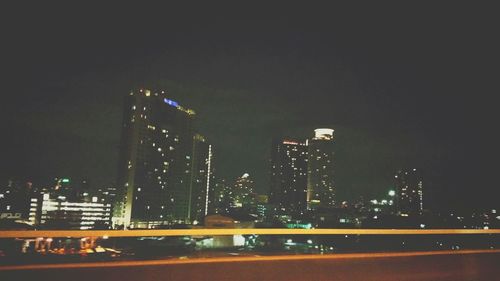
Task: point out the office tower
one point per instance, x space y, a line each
320 177
49 210
202 181
15 200
71 189
63 187
409 192
107 194
155 170
221 197
289 176
242 195
262 206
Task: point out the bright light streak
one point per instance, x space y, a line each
236 231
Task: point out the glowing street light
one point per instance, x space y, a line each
392 193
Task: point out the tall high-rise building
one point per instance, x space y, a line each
155 167
409 193
320 171
202 180
242 194
221 197
289 176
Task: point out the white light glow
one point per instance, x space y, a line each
323 133
208 178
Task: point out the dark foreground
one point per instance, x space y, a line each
435 266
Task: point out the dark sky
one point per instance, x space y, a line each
403 86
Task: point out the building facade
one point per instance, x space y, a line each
289 176
202 180
15 200
50 210
155 166
409 192
242 194
220 200
320 171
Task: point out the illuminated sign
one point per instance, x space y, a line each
65 180
299 225
176 105
170 102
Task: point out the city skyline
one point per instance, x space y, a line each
193 141
406 95
143 101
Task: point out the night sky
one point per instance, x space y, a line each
403 86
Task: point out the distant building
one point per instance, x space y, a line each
262 206
107 194
289 176
320 172
202 181
15 200
50 210
155 166
72 189
409 192
221 197
242 194
383 206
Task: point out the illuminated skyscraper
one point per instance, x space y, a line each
242 194
155 167
202 180
289 176
320 171
409 193
220 199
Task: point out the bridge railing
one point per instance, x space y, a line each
60 246
236 231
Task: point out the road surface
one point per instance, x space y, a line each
436 266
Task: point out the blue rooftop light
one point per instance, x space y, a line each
171 102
